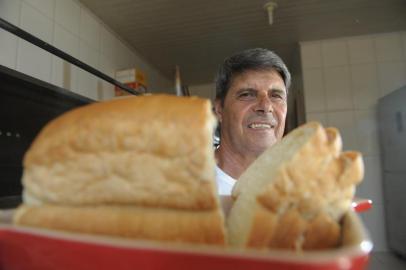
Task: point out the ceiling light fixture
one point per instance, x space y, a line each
269 7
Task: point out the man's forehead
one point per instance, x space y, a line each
252 79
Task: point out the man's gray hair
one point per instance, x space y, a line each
252 59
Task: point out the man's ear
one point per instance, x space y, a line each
218 109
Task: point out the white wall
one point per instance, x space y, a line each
343 79
72 28
207 90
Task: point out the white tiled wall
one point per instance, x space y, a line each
314 84
67 15
10 11
391 76
361 50
34 22
389 47
8 49
207 90
337 88
66 41
365 86
334 53
34 61
72 28
343 80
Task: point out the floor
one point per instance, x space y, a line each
386 261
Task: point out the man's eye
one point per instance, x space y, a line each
278 96
246 95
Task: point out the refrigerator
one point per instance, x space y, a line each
392 134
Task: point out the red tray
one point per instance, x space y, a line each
30 248
361 205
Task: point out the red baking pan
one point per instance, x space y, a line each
32 248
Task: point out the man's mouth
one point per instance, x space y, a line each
260 126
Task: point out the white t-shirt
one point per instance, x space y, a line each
225 182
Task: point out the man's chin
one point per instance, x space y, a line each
261 145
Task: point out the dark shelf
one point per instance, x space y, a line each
26 105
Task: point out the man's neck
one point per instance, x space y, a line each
234 164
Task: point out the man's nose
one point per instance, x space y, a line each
264 104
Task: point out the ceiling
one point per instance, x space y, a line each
198 35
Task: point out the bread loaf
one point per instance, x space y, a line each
113 167
143 167
294 195
137 222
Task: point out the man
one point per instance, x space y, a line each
251 106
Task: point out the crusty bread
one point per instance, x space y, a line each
143 167
294 195
175 225
113 167
151 150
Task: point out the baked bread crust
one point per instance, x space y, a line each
139 167
174 225
298 201
150 150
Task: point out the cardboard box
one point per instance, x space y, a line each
133 78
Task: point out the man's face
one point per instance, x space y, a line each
254 112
